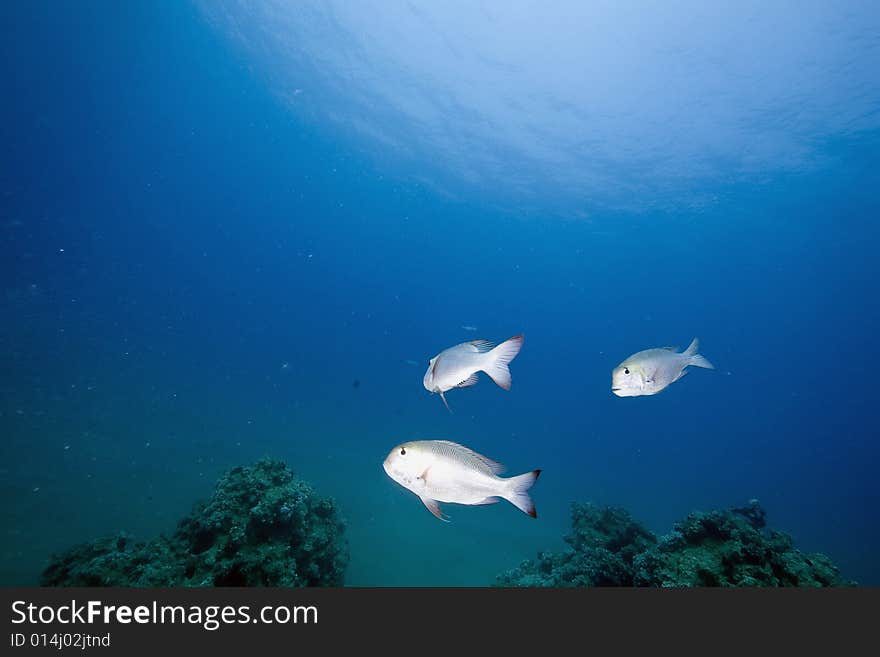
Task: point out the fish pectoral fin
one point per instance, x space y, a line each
470 381
434 507
424 475
487 500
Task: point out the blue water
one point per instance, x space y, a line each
214 222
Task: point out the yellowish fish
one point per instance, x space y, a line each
653 370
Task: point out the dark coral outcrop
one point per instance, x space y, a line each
717 548
263 526
604 542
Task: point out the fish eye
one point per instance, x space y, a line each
626 370
402 451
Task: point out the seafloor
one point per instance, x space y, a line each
264 526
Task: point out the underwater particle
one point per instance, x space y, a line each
356 383
66 447
653 370
459 366
444 471
469 328
36 489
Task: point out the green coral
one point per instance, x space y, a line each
604 541
717 548
729 549
262 527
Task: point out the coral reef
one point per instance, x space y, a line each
718 548
262 527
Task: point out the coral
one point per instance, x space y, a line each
717 548
262 527
604 541
110 561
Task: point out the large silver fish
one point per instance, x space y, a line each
652 370
459 366
444 471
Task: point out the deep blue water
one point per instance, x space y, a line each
179 221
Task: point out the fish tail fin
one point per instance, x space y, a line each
518 492
498 359
697 359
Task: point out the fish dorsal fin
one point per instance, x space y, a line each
470 381
482 346
434 507
494 466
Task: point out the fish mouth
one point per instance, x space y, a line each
615 389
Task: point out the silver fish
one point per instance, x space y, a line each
652 370
459 366
444 471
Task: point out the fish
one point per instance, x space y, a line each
443 471
459 366
652 370
469 328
